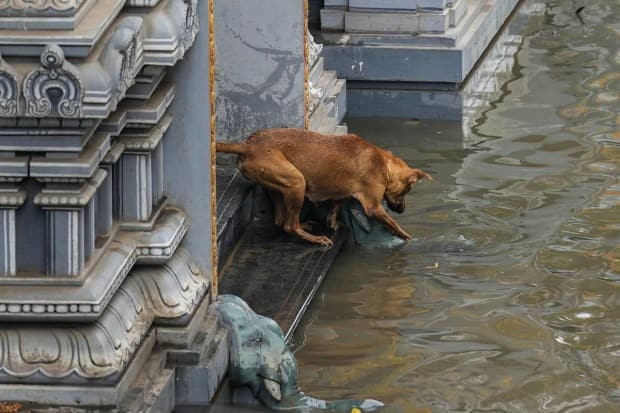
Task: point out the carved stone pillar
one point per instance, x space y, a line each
141 171
135 186
94 286
69 226
11 198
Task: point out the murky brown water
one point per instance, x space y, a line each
508 298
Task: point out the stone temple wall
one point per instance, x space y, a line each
100 178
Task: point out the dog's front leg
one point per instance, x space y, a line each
374 209
380 213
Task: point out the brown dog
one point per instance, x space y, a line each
297 163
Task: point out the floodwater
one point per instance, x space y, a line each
508 297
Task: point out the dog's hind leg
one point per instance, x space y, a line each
279 209
294 199
278 174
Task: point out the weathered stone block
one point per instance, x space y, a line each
410 5
375 22
422 58
196 385
434 22
250 35
336 4
332 19
433 4
458 12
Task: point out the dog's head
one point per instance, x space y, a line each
400 180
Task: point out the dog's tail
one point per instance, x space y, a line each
237 148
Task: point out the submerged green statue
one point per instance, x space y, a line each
261 360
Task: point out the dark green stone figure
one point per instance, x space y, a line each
366 230
261 360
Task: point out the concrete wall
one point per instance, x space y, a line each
260 66
187 149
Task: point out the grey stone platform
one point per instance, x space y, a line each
402 58
450 101
445 57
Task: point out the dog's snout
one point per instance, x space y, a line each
398 207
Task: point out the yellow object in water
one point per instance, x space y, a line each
356 410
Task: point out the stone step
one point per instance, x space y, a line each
342 129
277 274
328 120
396 22
458 12
327 83
425 5
339 95
200 369
234 207
332 110
316 71
461 16
320 119
332 19
337 4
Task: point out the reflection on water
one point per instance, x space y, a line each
508 298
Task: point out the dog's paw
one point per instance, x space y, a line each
325 242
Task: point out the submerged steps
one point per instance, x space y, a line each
277 274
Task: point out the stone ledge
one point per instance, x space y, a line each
99 352
45 134
84 299
63 166
77 42
140 112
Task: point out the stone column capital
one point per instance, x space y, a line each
11 197
58 196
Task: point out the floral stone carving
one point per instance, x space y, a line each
9 90
39 8
55 87
101 350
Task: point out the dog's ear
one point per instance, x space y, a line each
417 174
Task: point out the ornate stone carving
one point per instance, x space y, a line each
191 23
142 3
9 90
99 352
55 87
123 53
39 8
314 49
